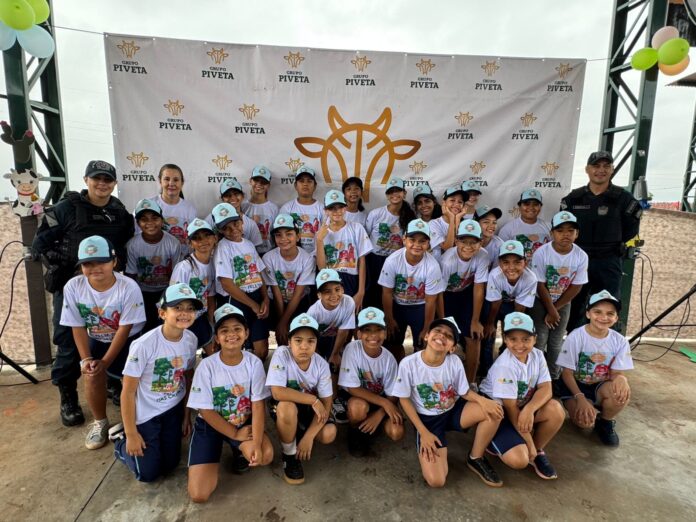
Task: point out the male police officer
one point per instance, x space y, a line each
608 216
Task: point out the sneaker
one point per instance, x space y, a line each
338 410
116 432
292 470
543 467
239 465
484 471
98 432
606 432
70 411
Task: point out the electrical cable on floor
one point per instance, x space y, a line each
94 492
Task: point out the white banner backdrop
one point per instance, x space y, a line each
219 109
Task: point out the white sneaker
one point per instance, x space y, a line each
116 432
97 435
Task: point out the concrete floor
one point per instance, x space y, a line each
47 474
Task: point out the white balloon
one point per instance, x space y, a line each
662 35
37 41
8 36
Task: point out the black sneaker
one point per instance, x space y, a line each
292 470
239 464
606 432
358 443
543 467
70 410
338 410
484 471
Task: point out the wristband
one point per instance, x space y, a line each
579 394
317 400
86 359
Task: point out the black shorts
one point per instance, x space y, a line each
588 390
305 415
439 425
506 438
98 350
203 330
206 443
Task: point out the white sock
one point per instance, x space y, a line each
102 422
289 448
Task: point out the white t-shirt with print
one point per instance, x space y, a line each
345 247
593 359
411 283
103 312
228 390
286 275
559 271
493 250
284 371
458 274
384 230
510 378
159 364
359 370
432 390
176 218
263 214
523 292
152 264
309 218
359 217
199 276
331 321
532 236
249 229
436 241
239 261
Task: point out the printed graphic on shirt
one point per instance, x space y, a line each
176 228
233 403
558 280
530 244
328 330
593 368
101 323
436 397
246 271
168 374
340 256
151 271
368 382
301 387
308 227
405 289
264 224
389 237
200 287
524 393
456 283
286 284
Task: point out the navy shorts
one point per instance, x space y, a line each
258 328
439 425
325 346
405 316
305 415
206 443
350 283
460 305
98 350
506 438
202 329
588 390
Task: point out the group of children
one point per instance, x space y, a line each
221 284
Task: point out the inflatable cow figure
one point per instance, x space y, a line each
25 182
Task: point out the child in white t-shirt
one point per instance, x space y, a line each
177 211
594 359
528 229
305 210
259 208
152 255
425 203
561 270
436 397
105 310
368 372
300 382
231 192
229 393
452 214
156 381
520 380
352 189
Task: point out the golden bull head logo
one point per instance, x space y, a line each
361 63
550 168
464 118
128 48
490 68
425 66
417 167
249 111
563 69
527 119
222 162
137 159
476 167
358 139
174 107
217 55
294 164
294 59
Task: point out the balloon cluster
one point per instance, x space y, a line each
668 51
17 23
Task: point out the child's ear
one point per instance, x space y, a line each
161 312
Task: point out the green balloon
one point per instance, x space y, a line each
644 59
673 51
17 14
41 10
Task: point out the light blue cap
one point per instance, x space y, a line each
179 292
470 228
418 226
334 197
471 185
518 321
230 184
224 213
448 321
225 311
196 225
457 189
303 321
95 249
327 275
371 315
261 172
564 217
149 205
604 295
283 221
482 210
530 194
304 169
423 190
393 183
511 247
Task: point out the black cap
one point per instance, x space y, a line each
600 155
99 167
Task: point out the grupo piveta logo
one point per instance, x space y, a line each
249 111
222 162
174 107
527 119
137 159
563 69
294 59
425 66
361 63
477 167
217 55
294 164
490 67
550 168
418 167
128 48
368 143
463 118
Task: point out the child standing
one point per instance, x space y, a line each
198 271
436 397
528 229
520 380
105 310
300 382
305 210
594 359
561 270
352 189
488 218
465 273
238 269
259 208
156 382
446 226
368 371
229 393
342 246
177 212
231 192
410 281
425 203
152 255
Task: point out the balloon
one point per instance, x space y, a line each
18 14
662 35
644 59
673 51
41 12
37 41
672 70
8 36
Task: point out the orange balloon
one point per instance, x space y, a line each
673 70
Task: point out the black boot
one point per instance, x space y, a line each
70 411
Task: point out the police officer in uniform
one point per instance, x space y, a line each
93 211
608 216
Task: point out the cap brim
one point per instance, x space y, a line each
316 332
530 199
339 282
617 304
495 211
438 322
573 223
462 236
283 227
411 234
101 173
429 196
226 221
261 177
336 204
240 317
460 192
141 212
511 254
393 188
368 323
94 260
197 303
